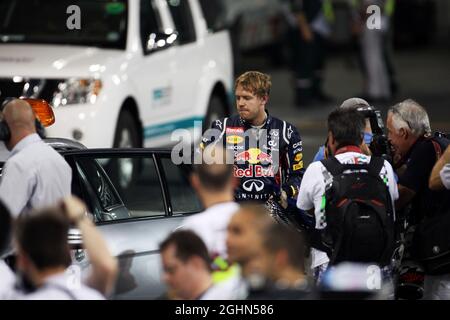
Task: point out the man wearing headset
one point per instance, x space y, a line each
34 175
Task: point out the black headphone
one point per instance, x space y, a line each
5 132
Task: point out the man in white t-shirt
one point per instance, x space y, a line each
345 135
440 175
214 184
43 255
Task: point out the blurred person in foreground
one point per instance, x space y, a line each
282 259
44 261
187 269
7 276
214 184
265 268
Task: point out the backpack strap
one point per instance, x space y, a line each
333 165
375 166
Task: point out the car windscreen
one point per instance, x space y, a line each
97 23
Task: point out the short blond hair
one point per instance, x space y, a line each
256 82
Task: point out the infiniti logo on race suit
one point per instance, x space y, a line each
253 185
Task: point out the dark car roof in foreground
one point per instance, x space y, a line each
66 146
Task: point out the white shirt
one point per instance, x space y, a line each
63 286
7 281
445 175
227 290
211 226
312 189
34 176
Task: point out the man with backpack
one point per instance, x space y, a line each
416 151
351 195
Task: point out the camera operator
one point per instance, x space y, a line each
416 151
375 142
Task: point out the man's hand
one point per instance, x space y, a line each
104 265
435 181
304 27
307 35
74 208
283 199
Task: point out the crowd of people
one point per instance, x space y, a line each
350 225
311 26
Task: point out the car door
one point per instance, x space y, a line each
154 72
189 62
134 217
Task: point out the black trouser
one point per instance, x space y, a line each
308 62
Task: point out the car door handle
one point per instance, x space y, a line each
80 254
106 216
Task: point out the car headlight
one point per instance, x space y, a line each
77 91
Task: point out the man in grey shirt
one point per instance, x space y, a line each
34 175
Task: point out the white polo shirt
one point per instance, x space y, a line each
34 176
312 189
63 286
211 226
226 290
445 175
7 281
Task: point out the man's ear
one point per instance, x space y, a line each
265 99
282 258
403 133
195 182
197 262
331 140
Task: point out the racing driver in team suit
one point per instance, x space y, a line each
268 158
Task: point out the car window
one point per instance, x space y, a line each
214 13
150 22
182 196
103 23
92 185
135 180
182 18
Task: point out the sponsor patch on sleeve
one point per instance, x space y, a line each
298 166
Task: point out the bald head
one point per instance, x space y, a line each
20 118
19 115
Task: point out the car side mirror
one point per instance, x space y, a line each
157 41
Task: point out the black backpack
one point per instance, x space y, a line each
358 213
